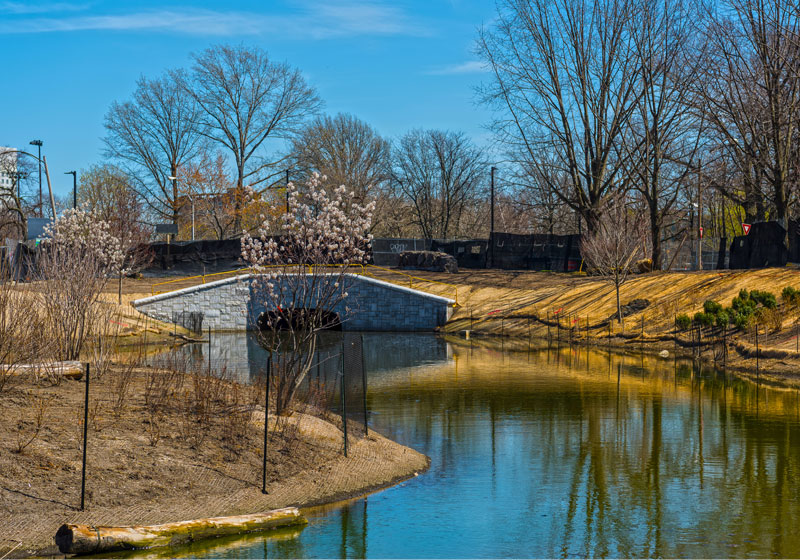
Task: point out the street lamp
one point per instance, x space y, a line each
491 222
38 144
74 187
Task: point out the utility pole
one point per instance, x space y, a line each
38 144
74 187
699 219
491 221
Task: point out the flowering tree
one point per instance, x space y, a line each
75 263
302 275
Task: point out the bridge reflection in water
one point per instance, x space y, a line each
568 452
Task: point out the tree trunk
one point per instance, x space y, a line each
619 308
85 539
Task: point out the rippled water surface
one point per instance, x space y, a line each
562 453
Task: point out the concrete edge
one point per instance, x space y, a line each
242 277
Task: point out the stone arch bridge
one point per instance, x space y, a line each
229 305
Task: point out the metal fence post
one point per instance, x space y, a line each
266 426
364 382
344 403
85 437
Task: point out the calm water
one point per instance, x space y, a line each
562 453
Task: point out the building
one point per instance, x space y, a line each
8 168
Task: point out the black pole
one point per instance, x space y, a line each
364 382
491 223
287 191
266 426
85 437
757 368
344 405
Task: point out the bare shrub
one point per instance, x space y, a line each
28 432
123 376
160 388
20 329
106 332
153 426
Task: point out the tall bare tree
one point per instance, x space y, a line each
662 138
565 84
153 135
752 95
246 99
347 151
440 173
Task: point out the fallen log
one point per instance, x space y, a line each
69 370
90 539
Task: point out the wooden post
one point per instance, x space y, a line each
85 437
49 187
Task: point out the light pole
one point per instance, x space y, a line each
491 221
38 144
74 187
287 191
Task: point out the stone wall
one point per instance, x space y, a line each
233 304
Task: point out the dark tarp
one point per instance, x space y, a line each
763 246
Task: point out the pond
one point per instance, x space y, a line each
560 452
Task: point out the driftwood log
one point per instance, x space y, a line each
89 539
70 370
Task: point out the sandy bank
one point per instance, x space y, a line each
146 469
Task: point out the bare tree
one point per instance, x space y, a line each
246 99
207 196
751 92
566 85
615 244
153 135
16 169
109 195
440 173
663 135
346 151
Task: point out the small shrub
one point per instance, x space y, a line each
704 319
712 307
790 296
741 321
683 322
767 299
721 319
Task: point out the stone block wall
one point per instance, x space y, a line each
371 305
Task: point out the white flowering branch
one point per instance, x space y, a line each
302 274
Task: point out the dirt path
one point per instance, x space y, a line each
135 478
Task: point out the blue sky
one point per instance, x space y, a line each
395 64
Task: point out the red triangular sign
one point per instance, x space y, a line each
746 228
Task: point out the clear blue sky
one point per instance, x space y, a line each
395 64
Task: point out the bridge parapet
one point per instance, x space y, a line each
229 305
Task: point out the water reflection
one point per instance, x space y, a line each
563 452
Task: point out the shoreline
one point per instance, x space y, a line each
774 367
131 482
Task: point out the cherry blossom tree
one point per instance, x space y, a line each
75 263
302 276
